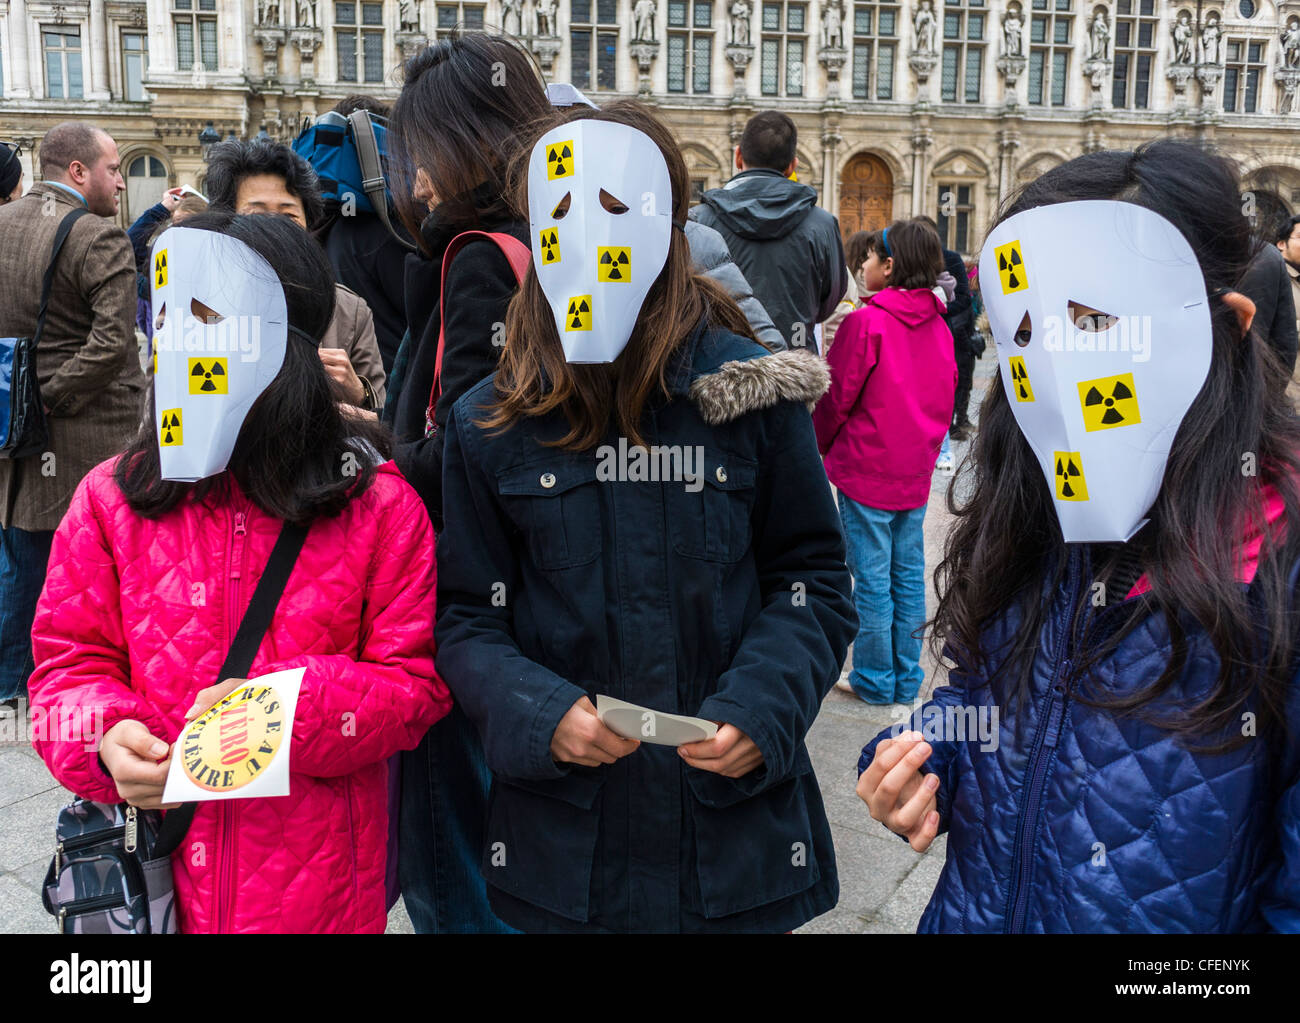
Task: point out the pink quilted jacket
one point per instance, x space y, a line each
137 616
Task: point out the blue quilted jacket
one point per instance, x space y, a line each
1089 822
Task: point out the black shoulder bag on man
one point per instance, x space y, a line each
112 871
23 430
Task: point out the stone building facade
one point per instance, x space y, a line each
935 106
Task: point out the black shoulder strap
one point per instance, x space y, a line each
372 171
60 236
257 619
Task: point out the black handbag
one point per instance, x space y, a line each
112 871
23 430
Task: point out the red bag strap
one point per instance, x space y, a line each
519 256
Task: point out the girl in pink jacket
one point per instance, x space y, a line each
149 579
879 428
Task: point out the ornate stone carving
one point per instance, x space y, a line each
643 21
738 26
1099 36
926 28
1013 26
271 39
645 54
832 25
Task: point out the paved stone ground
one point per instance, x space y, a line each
884 885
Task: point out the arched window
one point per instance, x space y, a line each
146 180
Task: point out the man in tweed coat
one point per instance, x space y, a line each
88 366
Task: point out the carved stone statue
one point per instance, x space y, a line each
926 28
268 13
832 25
406 22
1012 28
1099 33
1291 44
546 17
643 21
1211 34
1183 39
307 13
740 11
511 17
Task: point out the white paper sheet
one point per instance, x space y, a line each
239 748
633 721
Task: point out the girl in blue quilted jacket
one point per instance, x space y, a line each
1117 746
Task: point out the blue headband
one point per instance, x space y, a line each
884 240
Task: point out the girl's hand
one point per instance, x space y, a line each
898 794
131 755
731 753
582 738
208 698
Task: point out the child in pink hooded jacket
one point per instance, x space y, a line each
879 428
148 582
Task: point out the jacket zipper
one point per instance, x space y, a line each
82 907
224 881
1022 867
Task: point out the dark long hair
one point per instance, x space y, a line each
1007 543
533 377
296 457
466 104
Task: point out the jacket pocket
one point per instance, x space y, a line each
709 519
555 505
756 851
541 840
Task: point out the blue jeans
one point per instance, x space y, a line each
886 554
444 810
24 556
946 446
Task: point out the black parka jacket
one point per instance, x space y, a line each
726 598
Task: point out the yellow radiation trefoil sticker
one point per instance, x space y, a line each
1011 267
613 263
559 160
1108 402
171 428
1020 379
160 269
208 376
550 243
579 313
1070 483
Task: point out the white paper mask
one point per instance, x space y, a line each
207 375
1099 408
596 267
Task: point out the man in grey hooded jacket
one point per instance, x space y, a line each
787 247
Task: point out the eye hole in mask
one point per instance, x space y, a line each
1090 320
1024 333
562 207
205 314
612 205
162 317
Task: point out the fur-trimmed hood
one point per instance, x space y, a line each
738 387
